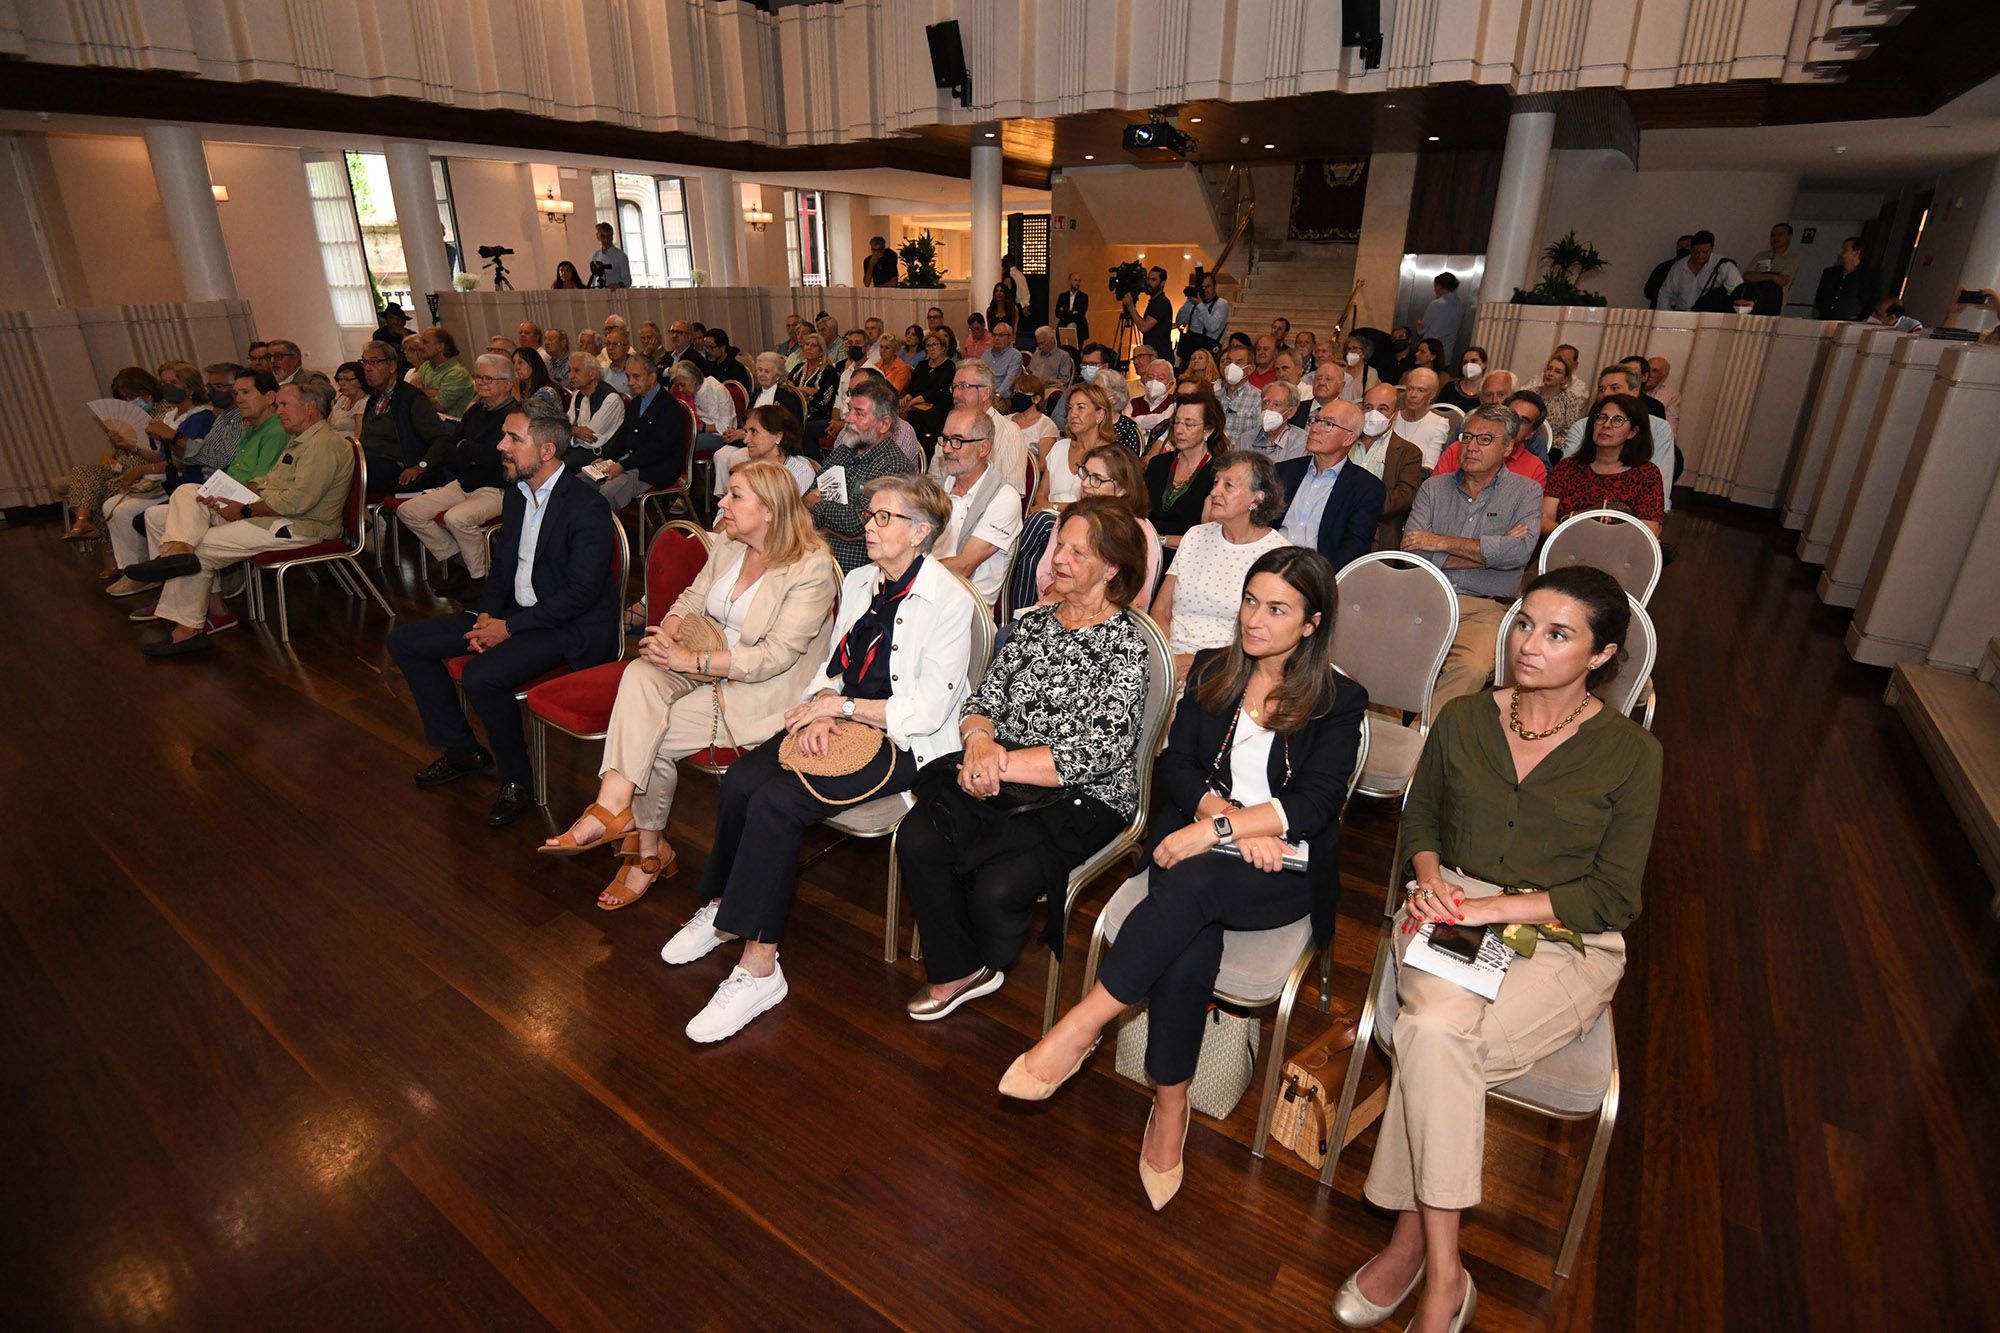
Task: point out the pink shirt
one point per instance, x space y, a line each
1044 572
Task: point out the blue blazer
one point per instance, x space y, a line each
576 589
1347 524
654 443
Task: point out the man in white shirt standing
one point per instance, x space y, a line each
1416 422
985 510
1696 276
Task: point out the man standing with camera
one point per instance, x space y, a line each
1204 317
609 267
1156 322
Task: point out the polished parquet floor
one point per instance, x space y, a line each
290 1043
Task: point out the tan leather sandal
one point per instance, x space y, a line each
651 866
612 827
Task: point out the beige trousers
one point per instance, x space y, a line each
462 533
648 733
187 517
184 600
1468 664
1450 1046
128 547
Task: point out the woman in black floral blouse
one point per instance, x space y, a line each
1049 773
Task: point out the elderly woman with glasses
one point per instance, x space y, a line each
1617 472
1203 590
902 650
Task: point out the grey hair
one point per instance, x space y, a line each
1367 344
1269 510
775 359
1500 415
925 496
382 350
982 427
684 373
1291 392
499 363
577 359
314 389
546 423
286 343
1115 392
980 370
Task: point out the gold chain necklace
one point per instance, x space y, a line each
1514 719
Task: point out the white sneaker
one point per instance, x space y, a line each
740 998
696 939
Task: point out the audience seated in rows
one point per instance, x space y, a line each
1391 459
986 512
596 410
459 483
398 425
651 447
1624 380
865 451
1617 472
550 601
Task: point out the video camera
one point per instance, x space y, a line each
1193 289
1128 279
599 267
493 255
493 251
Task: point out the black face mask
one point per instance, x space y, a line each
173 393
856 353
221 399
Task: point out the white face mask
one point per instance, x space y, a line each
1233 373
1272 421
1354 358
1471 370
1156 389
1090 373
1373 422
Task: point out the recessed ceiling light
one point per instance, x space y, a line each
989 134
1090 157
1388 106
1270 145
1194 120
1434 138
1839 148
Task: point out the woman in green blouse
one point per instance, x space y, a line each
1543 792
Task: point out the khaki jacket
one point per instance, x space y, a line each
308 484
786 637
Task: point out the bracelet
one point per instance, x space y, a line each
979 731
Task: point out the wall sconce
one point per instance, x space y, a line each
757 218
221 193
555 210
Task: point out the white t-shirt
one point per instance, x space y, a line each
731 612
1032 436
1209 572
1064 485
1250 767
1000 525
1429 435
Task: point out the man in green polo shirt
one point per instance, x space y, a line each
446 382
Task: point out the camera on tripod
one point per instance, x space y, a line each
493 251
599 267
492 254
1128 279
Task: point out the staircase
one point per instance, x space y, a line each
1955 720
1308 287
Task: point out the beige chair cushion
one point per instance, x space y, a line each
872 819
1392 756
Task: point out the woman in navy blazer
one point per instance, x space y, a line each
1255 772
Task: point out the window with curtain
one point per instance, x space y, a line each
381 238
811 234
339 233
447 214
676 246
792 238
632 232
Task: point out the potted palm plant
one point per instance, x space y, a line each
919 258
1566 262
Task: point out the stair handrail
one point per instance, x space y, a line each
1347 312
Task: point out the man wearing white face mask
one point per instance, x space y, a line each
1277 438
1389 456
1361 377
1156 403
1242 401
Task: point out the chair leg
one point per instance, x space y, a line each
253 593
361 576
538 756
1054 995
284 612
1364 1029
1593 1174
892 933
1326 979
1275 1061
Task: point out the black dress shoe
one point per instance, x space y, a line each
452 582
172 647
469 591
162 568
450 768
515 799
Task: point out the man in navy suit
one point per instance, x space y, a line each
1330 506
550 600
651 447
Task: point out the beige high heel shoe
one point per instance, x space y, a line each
1163 1185
1018 1083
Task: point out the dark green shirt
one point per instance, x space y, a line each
1580 827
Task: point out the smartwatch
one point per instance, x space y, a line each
847 708
1223 833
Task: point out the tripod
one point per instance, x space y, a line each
1126 340
499 267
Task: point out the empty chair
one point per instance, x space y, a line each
1611 540
1396 622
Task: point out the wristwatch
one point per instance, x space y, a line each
1223 833
847 708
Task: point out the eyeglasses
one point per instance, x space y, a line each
879 518
374 360
960 441
1483 441
1092 481
492 379
968 386
1328 423
1607 419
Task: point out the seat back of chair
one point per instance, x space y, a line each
676 558
1614 542
1454 415
1396 619
739 396
621 570
1626 689
693 425
1158 708
1548 443
354 514
984 633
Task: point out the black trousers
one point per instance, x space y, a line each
421 648
1170 948
979 917
384 477
762 816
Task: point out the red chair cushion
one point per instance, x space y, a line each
722 756
456 666
580 701
266 559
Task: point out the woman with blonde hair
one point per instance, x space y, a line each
766 593
1091 422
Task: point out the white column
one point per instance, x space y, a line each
986 233
1517 209
181 170
415 197
1982 255
722 218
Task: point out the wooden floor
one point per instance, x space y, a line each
291 1043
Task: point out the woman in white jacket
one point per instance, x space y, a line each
902 651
